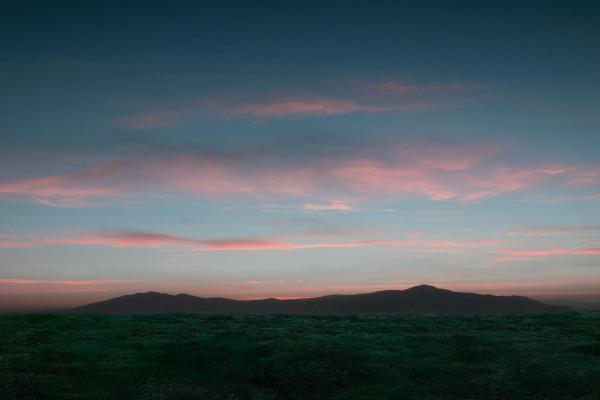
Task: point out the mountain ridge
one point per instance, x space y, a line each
419 299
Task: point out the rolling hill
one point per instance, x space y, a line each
416 300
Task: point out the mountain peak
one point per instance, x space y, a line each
151 294
418 299
423 288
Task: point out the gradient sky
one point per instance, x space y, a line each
293 149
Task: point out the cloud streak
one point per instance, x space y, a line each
334 205
554 230
160 240
290 106
396 87
385 96
260 108
461 174
525 253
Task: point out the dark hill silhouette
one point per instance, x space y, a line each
418 299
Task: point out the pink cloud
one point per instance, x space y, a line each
15 244
372 176
296 104
461 174
578 175
9 240
56 191
147 239
253 282
269 107
281 107
131 178
334 205
402 88
208 176
91 186
433 246
225 245
460 180
548 252
159 240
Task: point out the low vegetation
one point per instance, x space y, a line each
69 356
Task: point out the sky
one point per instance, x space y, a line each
296 149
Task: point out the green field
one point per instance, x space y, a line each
62 356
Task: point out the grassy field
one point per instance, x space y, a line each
62 356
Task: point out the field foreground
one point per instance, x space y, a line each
68 356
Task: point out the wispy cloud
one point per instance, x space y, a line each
151 239
276 107
89 187
384 96
10 240
554 230
393 86
334 205
260 107
463 174
286 106
160 240
458 180
524 253
15 244
58 191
